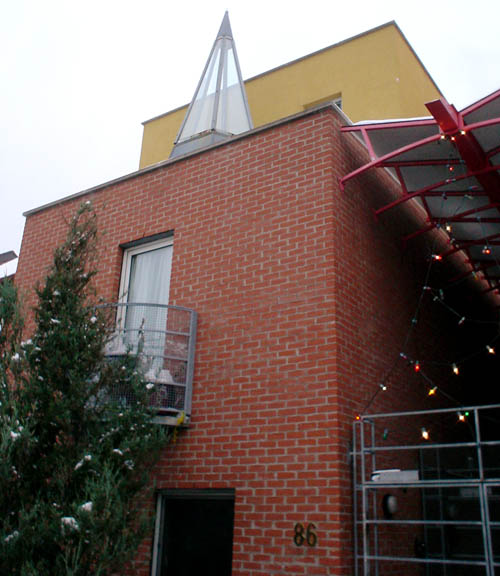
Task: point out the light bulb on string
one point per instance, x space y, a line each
461 416
383 387
425 433
437 257
486 250
416 366
490 349
461 321
455 369
432 391
447 227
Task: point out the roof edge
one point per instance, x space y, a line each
418 58
169 161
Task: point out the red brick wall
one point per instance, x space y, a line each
303 300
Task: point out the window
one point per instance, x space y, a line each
146 272
144 292
193 533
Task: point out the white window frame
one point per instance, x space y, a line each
128 254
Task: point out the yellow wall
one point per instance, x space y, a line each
377 75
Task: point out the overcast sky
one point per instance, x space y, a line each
78 77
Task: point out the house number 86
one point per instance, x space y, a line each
305 536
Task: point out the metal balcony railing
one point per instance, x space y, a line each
165 337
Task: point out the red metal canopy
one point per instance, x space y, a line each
449 163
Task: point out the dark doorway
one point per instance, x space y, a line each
195 533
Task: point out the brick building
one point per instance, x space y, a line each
303 301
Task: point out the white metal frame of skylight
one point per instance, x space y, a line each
219 108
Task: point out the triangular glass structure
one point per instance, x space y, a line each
219 107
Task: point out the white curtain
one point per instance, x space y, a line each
149 283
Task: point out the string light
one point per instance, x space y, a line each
438 295
462 132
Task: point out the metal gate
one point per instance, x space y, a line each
427 492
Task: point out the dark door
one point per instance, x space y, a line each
197 533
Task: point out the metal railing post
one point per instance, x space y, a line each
366 567
374 494
190 364
355 496
483 500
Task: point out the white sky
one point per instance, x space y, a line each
78 77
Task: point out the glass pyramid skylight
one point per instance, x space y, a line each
219 107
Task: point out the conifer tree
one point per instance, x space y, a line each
74 456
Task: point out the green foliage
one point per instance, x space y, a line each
74 458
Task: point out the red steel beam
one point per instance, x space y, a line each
447 117
451 123
481 103
430 190
380 161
